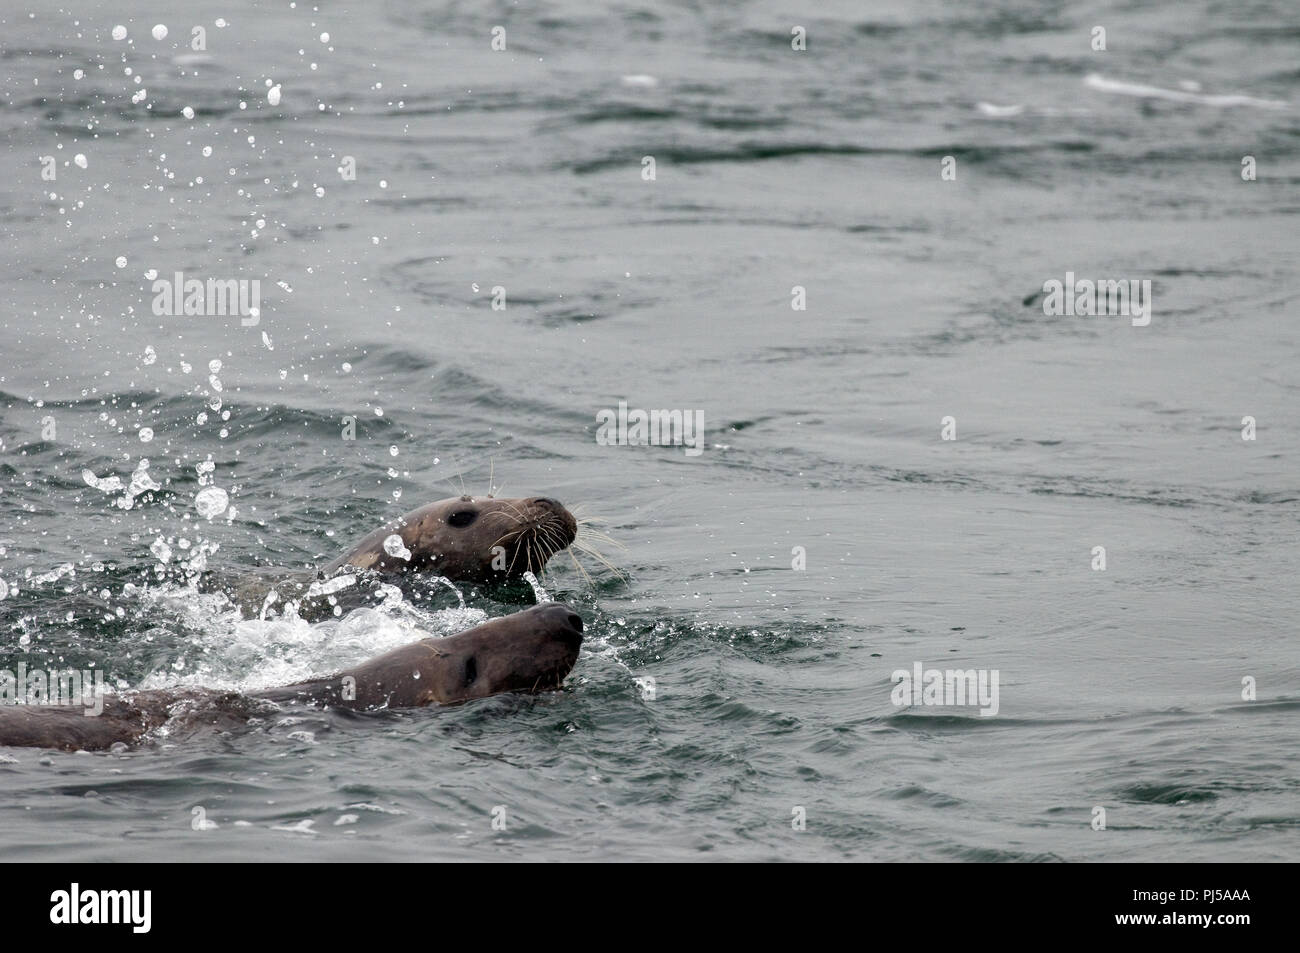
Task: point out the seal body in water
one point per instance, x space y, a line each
481 540
529 652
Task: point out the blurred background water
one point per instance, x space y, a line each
774 168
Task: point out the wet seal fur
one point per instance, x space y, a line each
468 539
527 652
481 540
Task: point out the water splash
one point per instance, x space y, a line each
538 592
227 652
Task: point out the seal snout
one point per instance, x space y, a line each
549 524
573 632
561 620
552 512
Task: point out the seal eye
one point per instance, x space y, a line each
461 518
471 671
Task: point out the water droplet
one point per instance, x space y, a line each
395 546
211 501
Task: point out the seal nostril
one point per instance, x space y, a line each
575 620
548 502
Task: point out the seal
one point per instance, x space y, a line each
467 539
527 652
470 539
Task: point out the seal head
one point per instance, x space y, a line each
530 651
467 539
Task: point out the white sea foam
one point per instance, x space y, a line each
1102 84
225 651
1000 112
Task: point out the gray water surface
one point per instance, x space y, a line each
1120 689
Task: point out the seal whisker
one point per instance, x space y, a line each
587 530
550 539
587 535
511 512
514 508
515 513
508 518
587 549
511 536
515 527
577 565
590 523
589 545
545 531
514 559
